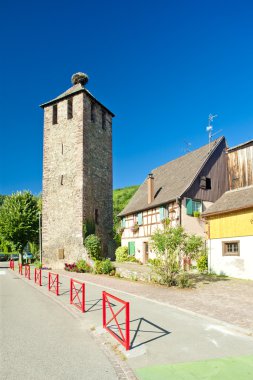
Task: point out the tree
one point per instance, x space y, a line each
19 220
168 244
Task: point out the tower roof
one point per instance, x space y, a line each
77 88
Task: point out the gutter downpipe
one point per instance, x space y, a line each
179 202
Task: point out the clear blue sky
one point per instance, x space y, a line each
161 66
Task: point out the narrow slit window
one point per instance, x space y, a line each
55 121
103 120
96 216
92 112
61 148
62 180
70 108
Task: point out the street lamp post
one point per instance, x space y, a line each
40 238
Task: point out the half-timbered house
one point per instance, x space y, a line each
179 190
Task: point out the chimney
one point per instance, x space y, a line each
151 188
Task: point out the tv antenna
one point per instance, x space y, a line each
188 145
209 128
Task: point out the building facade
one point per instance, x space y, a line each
230 219
77 173
180 191
230 234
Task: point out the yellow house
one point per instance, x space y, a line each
230 234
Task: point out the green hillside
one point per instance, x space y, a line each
120 199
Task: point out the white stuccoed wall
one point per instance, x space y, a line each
233 266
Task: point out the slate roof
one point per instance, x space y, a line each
172 179
232 200
77 88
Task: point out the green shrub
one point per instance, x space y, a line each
183 280
202 263
88 228
132 259
121 254
82 266
196 214
37 264
104 267
93 245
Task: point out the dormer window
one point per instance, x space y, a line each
205 183
70 108
54 120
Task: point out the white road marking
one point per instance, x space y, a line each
2 272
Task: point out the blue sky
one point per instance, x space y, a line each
161 66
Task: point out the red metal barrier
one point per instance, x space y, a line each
77 293
20 269
123 339
12 264
37 276
53 283
28 272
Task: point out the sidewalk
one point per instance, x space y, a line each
226 299
162 336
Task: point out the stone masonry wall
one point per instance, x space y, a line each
77 179
63 203
98 171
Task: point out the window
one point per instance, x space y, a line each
92 112
62 180
140 219
193 205
205 183
123 222
70 108
96 216
230 248
104 120
163 212
55 114
61 148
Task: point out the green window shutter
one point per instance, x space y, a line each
161 213
189 208
123 222
131 248
140 218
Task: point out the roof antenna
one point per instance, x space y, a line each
187 148
209 129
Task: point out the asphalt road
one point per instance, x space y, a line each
41 340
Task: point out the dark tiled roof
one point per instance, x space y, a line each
231 201
72 91
172 179
243 145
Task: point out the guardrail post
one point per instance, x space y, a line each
77 287
124 339
104 311
57 284
127 327
71 291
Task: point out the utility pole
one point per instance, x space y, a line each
40 237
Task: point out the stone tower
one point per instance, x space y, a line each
77 173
